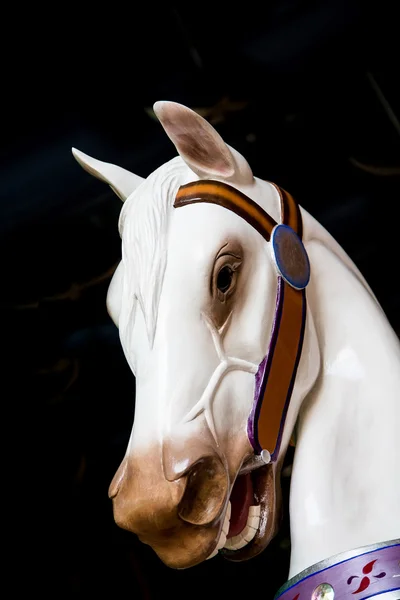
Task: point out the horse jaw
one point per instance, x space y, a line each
200 146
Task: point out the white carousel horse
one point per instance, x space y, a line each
196 299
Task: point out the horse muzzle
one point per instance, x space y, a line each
179 519
185 519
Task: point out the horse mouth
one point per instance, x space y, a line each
251 516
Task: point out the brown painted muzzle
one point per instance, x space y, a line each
179 519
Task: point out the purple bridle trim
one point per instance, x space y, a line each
263 372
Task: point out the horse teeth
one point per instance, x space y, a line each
224 532
254 511
225 526
253 521
248 533
221 541
244 537
229 544
236 542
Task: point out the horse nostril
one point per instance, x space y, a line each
117 480
205 492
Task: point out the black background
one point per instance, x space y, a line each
307 91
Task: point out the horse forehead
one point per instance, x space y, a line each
206 225
213 218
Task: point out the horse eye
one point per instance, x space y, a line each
224 279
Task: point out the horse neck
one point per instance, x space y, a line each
344 489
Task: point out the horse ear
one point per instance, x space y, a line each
122 182
199 144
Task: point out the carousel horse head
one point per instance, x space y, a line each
234 345
209 299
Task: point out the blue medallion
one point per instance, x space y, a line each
290 256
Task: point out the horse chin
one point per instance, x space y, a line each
267 495
192 548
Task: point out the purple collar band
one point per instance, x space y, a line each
368 572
